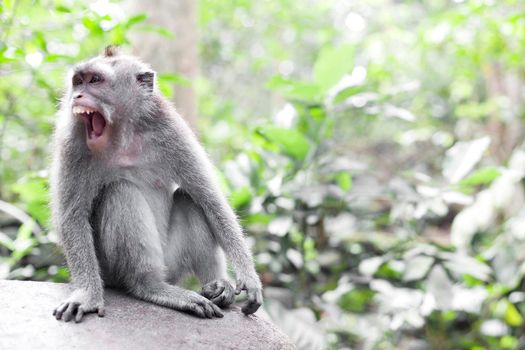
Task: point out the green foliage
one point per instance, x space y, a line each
373 151
289 141
33 192
358 220
331 64
483 176
165 83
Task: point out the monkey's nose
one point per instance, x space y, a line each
78 96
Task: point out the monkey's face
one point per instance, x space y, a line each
91 103
88 107
107 95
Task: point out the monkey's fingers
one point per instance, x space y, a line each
101 311
208 310
70 311
217 312
239 287
60 310
203 309
254 301
82 310
213 289
225 299
196 309
199 310
79 315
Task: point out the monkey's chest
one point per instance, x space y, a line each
128 158
131 154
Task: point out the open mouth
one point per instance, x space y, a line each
93 119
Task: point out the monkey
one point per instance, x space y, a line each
134 199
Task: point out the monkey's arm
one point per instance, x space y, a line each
71 208
195 175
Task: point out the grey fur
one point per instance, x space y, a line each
119 218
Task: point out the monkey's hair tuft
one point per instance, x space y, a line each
111 51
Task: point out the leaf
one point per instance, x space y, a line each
280 225
368 267
356 300
33 191
469 299
440 286
332 64
257 218
460 264
7 5
55 57
241 197
7 242
475 110
162 31
3 58
299 324
493 328
165 88
345 93
505 266
23 243
483 176
63 8
295 90
118 36
295 257
134 20
344 180
174 78
512 316
290 141
397 112
165 82
462 157
40 40
509 342
417 268
92 25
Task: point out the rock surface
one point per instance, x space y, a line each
26 322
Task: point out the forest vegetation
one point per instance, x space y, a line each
373 151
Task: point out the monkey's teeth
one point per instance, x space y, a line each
83 110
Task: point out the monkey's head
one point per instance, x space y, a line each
108 94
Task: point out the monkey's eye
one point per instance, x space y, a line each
95 78
77 80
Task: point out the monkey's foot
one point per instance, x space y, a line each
79 303
220 292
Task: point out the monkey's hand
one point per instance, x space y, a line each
80 302
253 288
220 292
198 305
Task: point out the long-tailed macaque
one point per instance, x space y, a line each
134 199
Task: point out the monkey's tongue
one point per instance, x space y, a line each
98 123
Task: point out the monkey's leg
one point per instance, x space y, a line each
131 251
192 248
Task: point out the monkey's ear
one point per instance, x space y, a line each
147 80
111 51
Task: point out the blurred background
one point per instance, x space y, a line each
372 149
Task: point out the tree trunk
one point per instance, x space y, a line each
166 55
506 132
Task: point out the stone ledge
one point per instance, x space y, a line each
26 322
